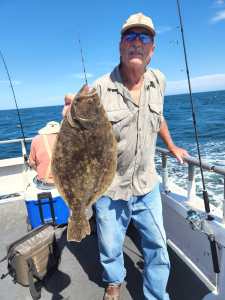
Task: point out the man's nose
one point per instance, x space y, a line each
137 40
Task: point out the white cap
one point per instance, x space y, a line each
138 20
50 127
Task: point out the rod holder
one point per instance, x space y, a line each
165 180
191 186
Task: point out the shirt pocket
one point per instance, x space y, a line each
155 117
119 120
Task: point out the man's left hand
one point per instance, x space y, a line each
179 153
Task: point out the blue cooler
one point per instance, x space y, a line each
47 209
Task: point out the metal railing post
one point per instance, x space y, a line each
191 186
24 152
165 173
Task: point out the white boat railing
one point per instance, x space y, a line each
21 141
192 163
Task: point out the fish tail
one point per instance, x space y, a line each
77 229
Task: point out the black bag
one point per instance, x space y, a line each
32 257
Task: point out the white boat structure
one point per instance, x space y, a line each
192 275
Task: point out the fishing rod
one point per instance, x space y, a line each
82 59
204 192
17 109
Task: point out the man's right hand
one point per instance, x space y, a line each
67 103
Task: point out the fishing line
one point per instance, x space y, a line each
82 59
14 96
205 193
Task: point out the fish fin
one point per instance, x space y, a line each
77 229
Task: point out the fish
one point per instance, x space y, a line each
84 159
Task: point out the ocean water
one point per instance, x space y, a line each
210 116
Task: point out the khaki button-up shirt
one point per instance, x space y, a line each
135 127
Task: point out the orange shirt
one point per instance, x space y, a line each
39 156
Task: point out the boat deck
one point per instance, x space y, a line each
79 274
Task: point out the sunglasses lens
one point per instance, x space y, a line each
129 37
143 37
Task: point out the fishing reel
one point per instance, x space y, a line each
200 222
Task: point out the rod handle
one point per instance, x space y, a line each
215 259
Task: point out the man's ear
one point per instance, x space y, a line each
150 54
120 45
153 49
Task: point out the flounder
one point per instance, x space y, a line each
84 159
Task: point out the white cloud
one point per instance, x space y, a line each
220 16
203 83
163 29
14 82
219 2
81 75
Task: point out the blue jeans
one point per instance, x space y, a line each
113 218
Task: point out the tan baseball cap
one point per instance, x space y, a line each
138 20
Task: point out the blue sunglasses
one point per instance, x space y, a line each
143 37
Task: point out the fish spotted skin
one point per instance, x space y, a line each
84 159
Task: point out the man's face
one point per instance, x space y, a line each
136 49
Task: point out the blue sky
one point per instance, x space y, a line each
39 41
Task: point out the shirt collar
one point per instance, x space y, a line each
117 83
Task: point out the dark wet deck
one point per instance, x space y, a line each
79 274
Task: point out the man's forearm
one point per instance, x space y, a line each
165 135
179 153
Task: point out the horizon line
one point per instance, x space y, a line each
166 95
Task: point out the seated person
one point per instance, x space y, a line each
41 153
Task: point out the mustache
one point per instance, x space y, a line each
136 50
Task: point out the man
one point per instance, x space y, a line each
41 152
133 99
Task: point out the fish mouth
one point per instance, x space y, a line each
85 119
86 113
85 107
